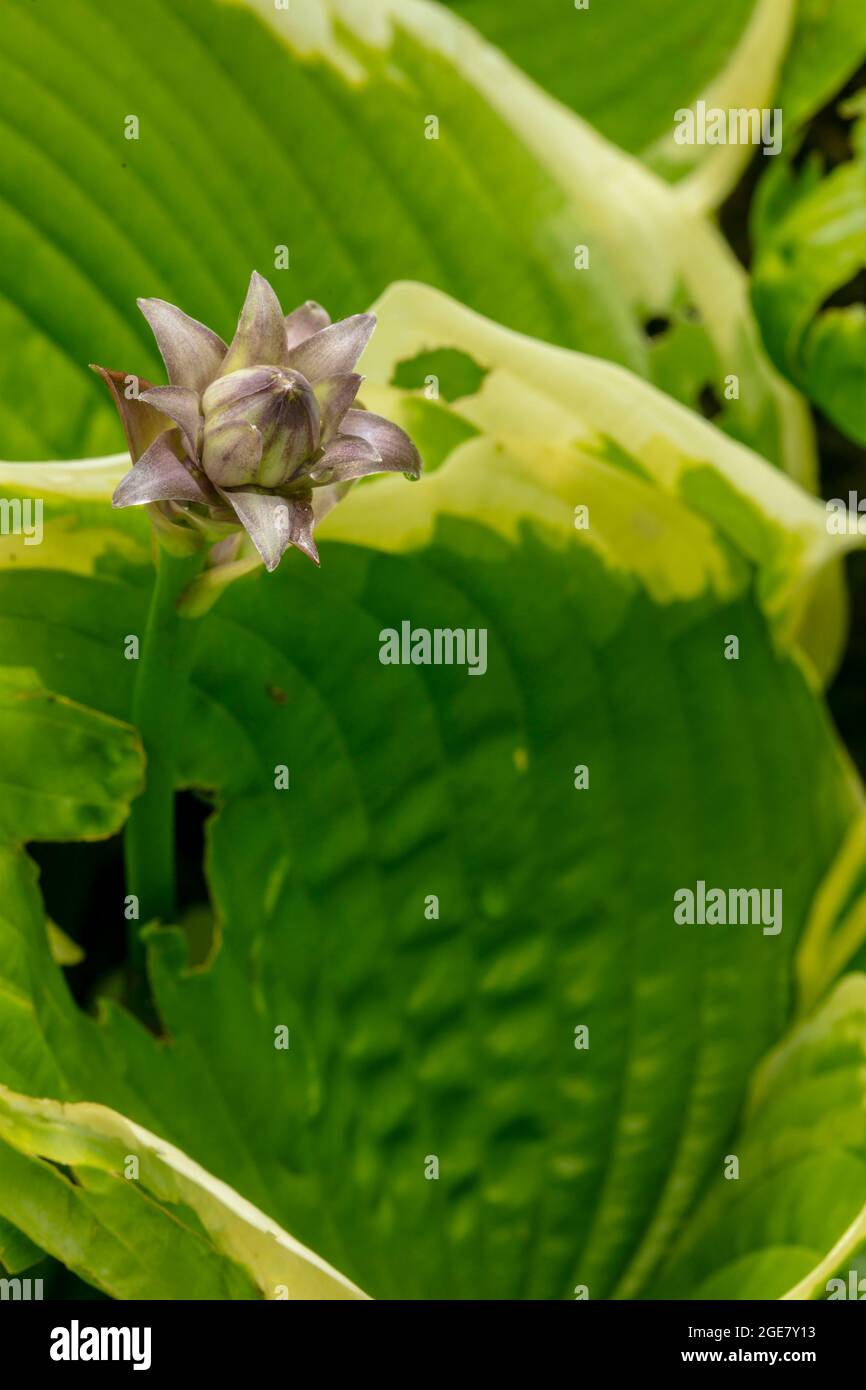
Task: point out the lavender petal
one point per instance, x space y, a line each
335 394
260 337
192 353
182 406
396 449
334 349
304 321
274 523
141 423
159 476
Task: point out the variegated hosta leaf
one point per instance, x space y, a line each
629 68
132 1214
580 244
435 906
123 1209
532 431
535 420
790 1220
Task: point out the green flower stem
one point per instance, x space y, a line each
157 709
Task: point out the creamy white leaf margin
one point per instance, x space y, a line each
749 80
543 414
651 236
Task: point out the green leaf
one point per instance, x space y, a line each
107 757
811 245
16 1251
130 1213
584 432
627 68
543 413
63 949
69 773
417 1033
795 1218
827 47
836 931
334 101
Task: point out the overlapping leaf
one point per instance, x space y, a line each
792 1222
827 46
344 193
134 1215
810 232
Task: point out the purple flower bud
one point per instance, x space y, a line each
262 434
261 424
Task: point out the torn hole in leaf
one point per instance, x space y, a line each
82 887
446 373
84 891
852 292
195 914
62 1170
708 402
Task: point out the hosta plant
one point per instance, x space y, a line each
404 1009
